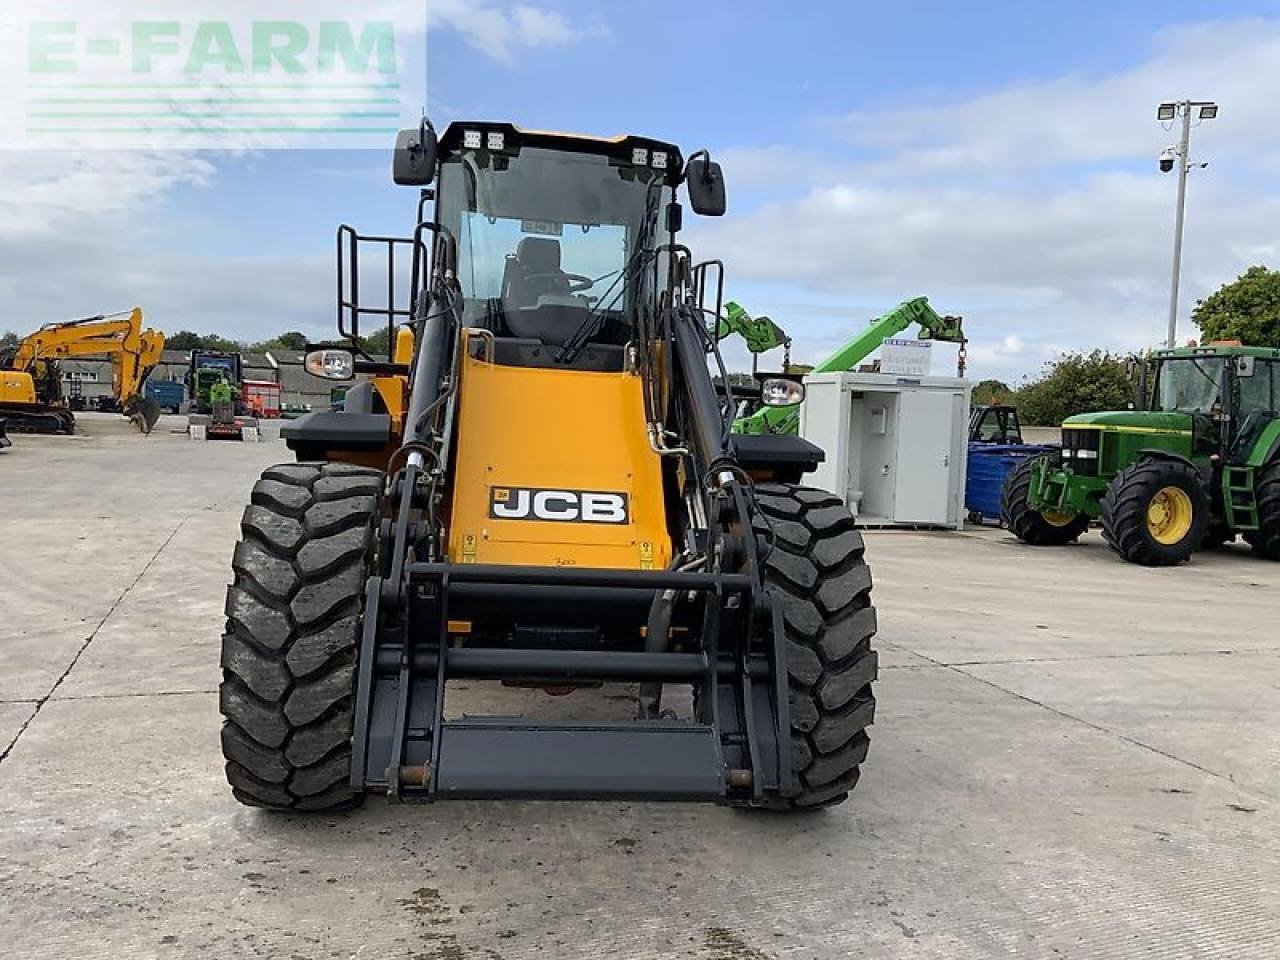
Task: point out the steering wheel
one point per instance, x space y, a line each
577 282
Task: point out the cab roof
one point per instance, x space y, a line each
1218 350
622 147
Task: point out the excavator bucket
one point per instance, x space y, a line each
143 411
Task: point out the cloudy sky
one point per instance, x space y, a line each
998 157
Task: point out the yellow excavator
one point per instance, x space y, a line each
31 397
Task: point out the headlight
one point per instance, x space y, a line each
775 392
331 364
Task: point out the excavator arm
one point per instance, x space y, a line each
933 326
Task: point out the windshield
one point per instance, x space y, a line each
548 240
1191 384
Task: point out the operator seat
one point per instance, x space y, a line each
533 272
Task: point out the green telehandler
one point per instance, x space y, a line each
786 419
1194 465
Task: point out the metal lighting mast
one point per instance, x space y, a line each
1166 113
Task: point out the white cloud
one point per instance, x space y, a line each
1036 211
50 192
1076 120
500 30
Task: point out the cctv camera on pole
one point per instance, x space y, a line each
1168 158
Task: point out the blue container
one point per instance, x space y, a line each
169 394
989 466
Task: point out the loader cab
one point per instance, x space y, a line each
555 241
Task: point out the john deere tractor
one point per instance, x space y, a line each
540 487
1196 464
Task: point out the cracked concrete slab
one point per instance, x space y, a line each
164 635
1200 708
1007 601
13 716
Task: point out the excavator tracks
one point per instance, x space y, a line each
50 422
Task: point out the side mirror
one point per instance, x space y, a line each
705 182
414 161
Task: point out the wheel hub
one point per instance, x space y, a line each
1169 515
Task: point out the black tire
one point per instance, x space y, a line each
817 571
1266 540
1024 521
1126 503
293 631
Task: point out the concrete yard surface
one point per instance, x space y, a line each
1073 757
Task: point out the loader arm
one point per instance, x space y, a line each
933 326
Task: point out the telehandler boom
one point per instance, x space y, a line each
933 326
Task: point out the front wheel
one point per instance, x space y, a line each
1047 528
814 566
1156 512
293 630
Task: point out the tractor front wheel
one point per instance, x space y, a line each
1048 528
293 630
1266 540
1155 512
814 566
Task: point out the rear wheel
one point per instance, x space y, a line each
1266 540
1156 512
293 631
1049 528
814 566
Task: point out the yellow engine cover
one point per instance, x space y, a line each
554 468
17 387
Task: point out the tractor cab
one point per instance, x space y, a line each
995 423
1227 394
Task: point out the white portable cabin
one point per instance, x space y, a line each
896 446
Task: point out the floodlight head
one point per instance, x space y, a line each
1208 111
1167 111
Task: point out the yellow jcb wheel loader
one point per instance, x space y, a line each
540 486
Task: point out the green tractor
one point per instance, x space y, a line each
1196 464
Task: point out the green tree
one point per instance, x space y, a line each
291 340
1075 383
378 343
187 340
182 340
988 392
8 340
1247 309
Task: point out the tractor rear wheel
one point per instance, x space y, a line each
1156 512
293 630
814 566
1050 528
1267 493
